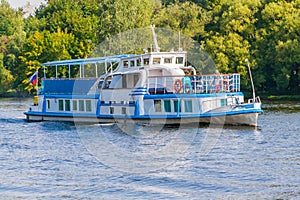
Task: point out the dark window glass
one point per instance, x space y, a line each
75 105
167 105
61 105
177 106
88 106
188 106
67 105
81 105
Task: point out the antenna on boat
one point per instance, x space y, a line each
250 74
156 47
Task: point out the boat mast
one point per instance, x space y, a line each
156 47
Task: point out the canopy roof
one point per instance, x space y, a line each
88 60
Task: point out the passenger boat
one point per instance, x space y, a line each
151 88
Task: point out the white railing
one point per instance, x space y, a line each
197 84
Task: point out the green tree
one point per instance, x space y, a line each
206 4
61 29
186 17
278 45
117 16
231 33
79 18
43 47
6 78
12 37
289 59
265 32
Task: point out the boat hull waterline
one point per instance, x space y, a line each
233 118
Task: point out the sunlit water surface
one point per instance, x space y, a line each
52 160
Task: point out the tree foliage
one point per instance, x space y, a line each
186 17
279 41
264 32
12 38
44 46
117 16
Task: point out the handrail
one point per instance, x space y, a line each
256 100
196 84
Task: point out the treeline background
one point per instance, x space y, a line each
267 32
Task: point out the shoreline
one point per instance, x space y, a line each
280 98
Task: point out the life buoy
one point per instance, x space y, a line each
177 85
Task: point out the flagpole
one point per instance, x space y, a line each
37 82
36 98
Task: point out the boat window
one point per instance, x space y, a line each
179 60
188 106
122 81
125 63
116 81
100 84
156 60
138 62
157 105
177 106
67 105
48 104
81 105
132 63
223 102
111 110
107 82
167 105
88 106
146 61
124 110
167 60
60 105
74 105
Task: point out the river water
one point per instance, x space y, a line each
52 160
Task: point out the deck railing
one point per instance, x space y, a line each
197 84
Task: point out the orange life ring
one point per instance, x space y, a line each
177 85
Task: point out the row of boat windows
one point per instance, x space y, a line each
158 60
72 105
175 105
121 81
166 105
